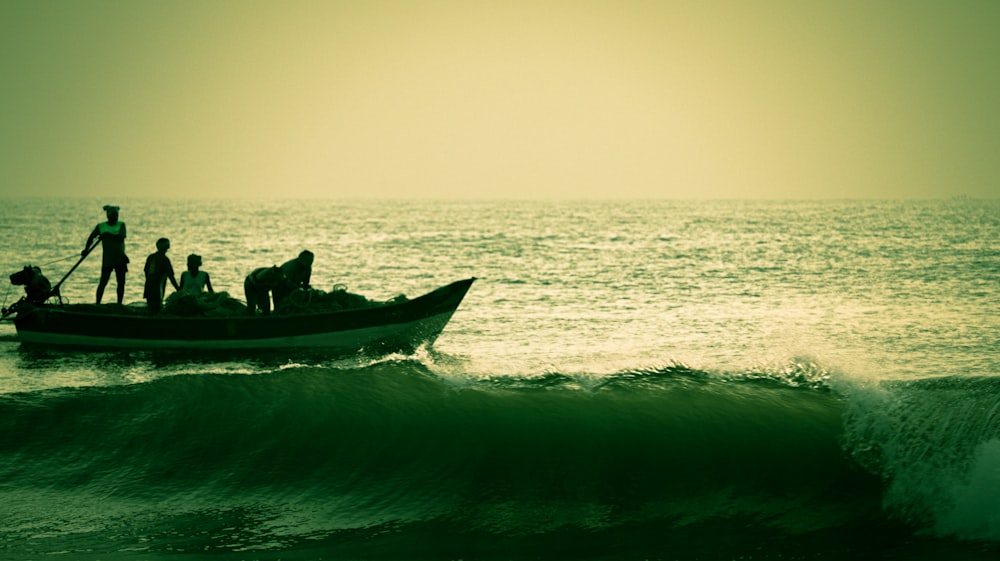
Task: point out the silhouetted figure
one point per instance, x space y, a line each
258 286
194 280
37 288
158 270
297 274
112 235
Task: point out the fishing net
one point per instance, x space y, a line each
206 304
109 309
313 300
221 304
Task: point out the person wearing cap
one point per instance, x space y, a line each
194 280
158 270
112 236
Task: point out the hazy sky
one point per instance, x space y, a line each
526 99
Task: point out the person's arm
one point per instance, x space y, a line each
90 239
170 275
208 283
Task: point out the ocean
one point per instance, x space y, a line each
677 380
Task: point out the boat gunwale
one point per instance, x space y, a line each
225 331
163 316
389 304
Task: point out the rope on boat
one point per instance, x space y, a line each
68 257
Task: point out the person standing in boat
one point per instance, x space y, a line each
297 272
158 270
112 236
258 287
194 280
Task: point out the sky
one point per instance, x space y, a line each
500 99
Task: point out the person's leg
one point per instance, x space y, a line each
120 280
251 295
279 293
105 277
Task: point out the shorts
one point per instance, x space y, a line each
120 268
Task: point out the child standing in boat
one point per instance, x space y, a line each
194 280
158 270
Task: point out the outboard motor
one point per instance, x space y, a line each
37 288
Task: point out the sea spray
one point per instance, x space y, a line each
935 443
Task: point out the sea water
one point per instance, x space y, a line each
625 380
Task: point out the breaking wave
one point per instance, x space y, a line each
421 465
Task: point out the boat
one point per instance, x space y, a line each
399 325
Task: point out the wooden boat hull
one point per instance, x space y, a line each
384 328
